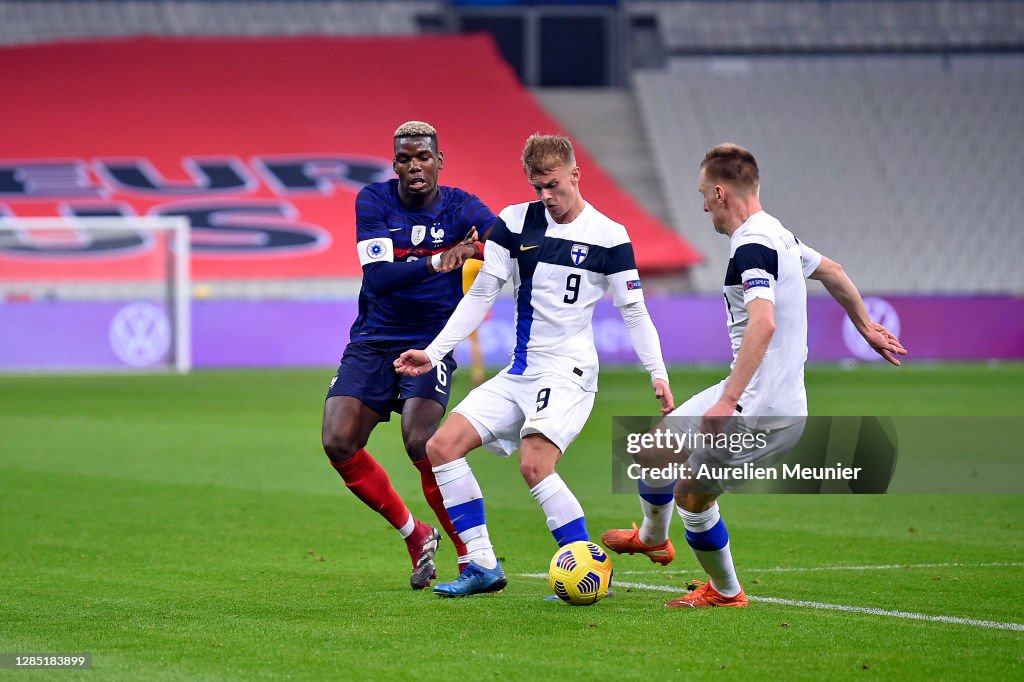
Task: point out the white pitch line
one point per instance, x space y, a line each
814 569
909 615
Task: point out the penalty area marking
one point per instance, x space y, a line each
907 615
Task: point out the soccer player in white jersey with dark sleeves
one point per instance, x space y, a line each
562 256
766 299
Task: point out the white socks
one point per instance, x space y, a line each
563 511
708 537
464 502
657 517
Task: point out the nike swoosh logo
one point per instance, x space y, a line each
394 229
527 248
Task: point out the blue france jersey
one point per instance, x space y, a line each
398 300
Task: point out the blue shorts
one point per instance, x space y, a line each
367 372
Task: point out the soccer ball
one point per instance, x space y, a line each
580 573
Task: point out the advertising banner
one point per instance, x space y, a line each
61 335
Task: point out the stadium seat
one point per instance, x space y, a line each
22 21
736 25
904 169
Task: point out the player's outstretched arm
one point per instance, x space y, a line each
413 363
839 285
468 315
387 276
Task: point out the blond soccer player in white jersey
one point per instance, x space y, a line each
562 256
766 300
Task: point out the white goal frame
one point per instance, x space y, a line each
181 275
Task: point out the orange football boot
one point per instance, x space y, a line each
703 596
627 541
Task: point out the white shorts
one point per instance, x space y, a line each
507 408
777 442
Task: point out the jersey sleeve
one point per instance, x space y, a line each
373 242
498 252
758 266
644 337
623 278
381 274
475 213
809 259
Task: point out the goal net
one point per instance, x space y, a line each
95 294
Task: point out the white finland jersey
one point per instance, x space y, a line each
767 261
559 272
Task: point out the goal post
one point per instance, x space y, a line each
95 293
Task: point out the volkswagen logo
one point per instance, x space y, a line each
140 334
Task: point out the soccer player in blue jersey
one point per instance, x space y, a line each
766 300
411 235
562 256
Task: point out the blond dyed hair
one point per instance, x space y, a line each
415 129
545 153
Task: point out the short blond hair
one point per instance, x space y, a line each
545 153
732 164
415 129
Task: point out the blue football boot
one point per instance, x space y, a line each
474 580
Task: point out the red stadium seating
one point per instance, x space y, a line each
264 142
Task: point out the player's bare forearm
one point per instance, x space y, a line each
844 291
841 288
756 338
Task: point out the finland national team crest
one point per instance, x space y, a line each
418 233
579 253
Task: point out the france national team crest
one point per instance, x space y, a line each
418 233
579 253
437 234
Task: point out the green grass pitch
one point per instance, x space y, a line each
190 528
